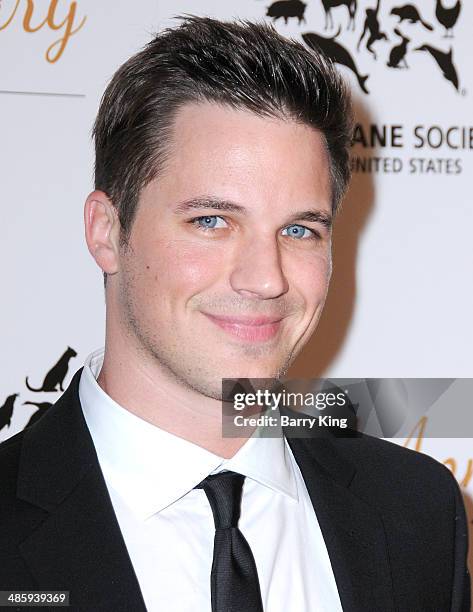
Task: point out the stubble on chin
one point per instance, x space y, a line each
190 368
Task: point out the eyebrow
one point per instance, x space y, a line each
312 216
208 202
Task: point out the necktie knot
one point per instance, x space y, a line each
224 491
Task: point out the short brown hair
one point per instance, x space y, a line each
239 63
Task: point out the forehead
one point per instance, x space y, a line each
234 153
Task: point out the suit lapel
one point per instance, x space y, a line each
78 547
352 529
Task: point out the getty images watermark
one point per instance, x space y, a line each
382 407
271 406
272 402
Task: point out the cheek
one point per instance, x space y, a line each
310 277
186 266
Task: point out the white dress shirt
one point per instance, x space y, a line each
168 526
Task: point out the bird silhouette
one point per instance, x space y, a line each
444 62
42 407
398 52
6 411
447 16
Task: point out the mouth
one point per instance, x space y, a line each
251 329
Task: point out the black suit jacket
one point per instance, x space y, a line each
393 520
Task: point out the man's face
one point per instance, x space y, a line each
230 251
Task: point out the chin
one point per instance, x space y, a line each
254 371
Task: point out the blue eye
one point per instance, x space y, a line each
298 231
209 222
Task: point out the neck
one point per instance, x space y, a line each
145 388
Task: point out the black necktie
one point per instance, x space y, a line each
234 579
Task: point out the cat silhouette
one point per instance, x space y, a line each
56 374
6 411
42 407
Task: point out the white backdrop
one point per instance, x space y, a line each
401 298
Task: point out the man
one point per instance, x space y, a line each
221 159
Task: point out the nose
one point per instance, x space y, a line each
257 270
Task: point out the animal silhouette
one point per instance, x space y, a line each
56 374
447 16
398 52
42 407
445 63
336 52
409 13
6 411
372 26
287 9
330 4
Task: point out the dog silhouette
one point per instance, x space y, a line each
42 407
398 52
444 62
447 16
336 52
6 411
56 374
330 4
408 12
372 26
287 9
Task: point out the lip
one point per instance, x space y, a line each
253 329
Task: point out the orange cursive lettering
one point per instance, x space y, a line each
420 427
419 432
9 20
68 32
27 18
56 49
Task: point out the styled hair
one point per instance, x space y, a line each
241 64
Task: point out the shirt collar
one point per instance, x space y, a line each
151 468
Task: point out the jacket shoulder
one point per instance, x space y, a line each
10 450
402 465
401 481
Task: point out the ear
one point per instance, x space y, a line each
102 231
